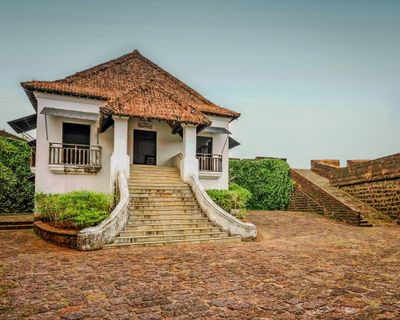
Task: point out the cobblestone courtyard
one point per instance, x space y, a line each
303 266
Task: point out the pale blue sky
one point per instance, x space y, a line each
312 78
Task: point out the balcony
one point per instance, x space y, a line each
210 165
74 158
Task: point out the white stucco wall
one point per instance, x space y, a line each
168 145
49 182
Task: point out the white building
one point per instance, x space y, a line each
122 112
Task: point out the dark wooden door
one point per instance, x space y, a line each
144 147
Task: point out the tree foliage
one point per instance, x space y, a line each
268 180
16 188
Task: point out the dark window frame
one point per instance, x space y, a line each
209 147
87 136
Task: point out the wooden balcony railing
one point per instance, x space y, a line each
210 162
77 155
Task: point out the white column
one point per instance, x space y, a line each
120 158
190 164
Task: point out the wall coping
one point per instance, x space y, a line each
384 168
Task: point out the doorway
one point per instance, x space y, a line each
145 147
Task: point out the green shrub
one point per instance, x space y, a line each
16 189
233 199
268 180
77 209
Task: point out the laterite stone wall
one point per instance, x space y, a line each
382 195
375 182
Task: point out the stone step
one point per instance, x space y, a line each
136 175
146 180
146 215
155 226
135 213
153 232
172 237
169 242
155 175
164 204
154 178
162 243
158 186
166 198
165 221
152 167
16 222
164 215
162 194
16 226
164 210
155 170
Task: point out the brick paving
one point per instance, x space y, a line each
303 266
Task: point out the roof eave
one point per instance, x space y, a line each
30 89
233 116
108 112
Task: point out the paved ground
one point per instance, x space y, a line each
303 266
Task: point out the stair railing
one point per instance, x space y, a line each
216 214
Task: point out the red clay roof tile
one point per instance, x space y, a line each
133 85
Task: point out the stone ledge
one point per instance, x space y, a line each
61 237
78 170
210 175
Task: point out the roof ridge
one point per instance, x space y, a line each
102 66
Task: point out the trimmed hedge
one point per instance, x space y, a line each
16 190
268 180
234 198
74 210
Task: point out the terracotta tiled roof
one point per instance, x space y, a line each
133 85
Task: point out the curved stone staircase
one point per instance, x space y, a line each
164 210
